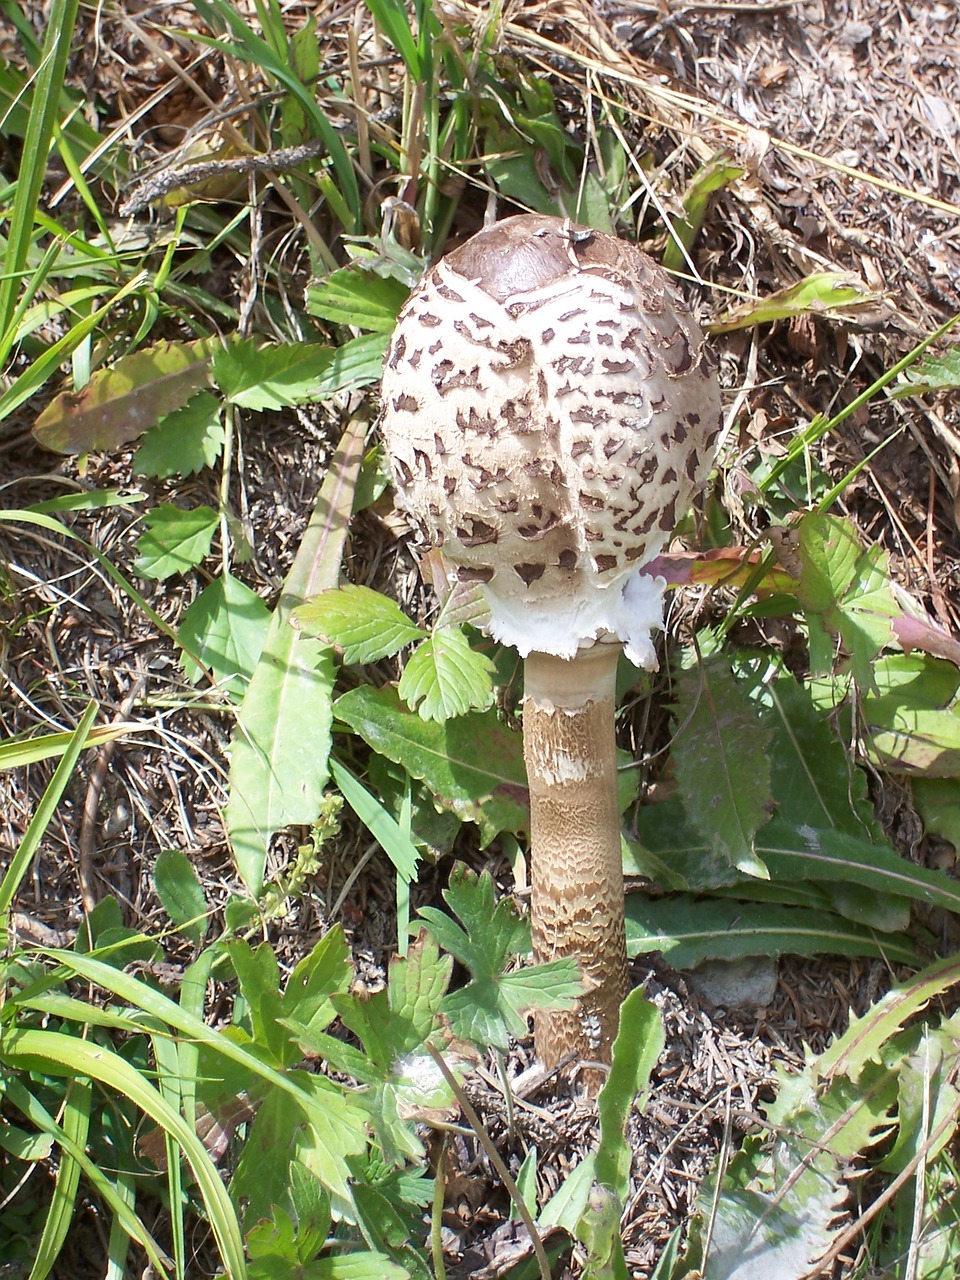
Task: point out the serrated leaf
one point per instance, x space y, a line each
778 1202
174 540
473 764
722 764
181 893
492 1006
119 403
445 678
281 746
940 372
366 625
278 376
226 627
184 441
394 1026
355 296
844 592
865 1037
306 1005
688 930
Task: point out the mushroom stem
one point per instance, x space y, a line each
576 869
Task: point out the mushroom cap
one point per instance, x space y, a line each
550 409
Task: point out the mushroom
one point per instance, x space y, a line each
550 409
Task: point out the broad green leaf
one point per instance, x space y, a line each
937 800
362 1265
281 746
445 678
226 627
184 441
826 293
123 401
355 296
637 1047
174 540
366 625
394 1026
688 930
722 764
913 723
259 976
278 376
473 764
322 973
812 778
181 894
845 593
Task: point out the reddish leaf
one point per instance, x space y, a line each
120 403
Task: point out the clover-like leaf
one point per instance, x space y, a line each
366 625
445 678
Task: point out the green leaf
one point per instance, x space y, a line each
174 540
281 746
394 1026
939 372
184 441
445 678
121 402
637 1047
814 782
493 1005
722 763
827 293
688 930
276 377
56 1054
181 894
937 800
913 723
394 841
259 976
473 765
355 296
226 627
716 174
844 592
366 625
326 971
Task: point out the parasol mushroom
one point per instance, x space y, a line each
550 409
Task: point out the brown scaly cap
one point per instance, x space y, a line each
550 409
